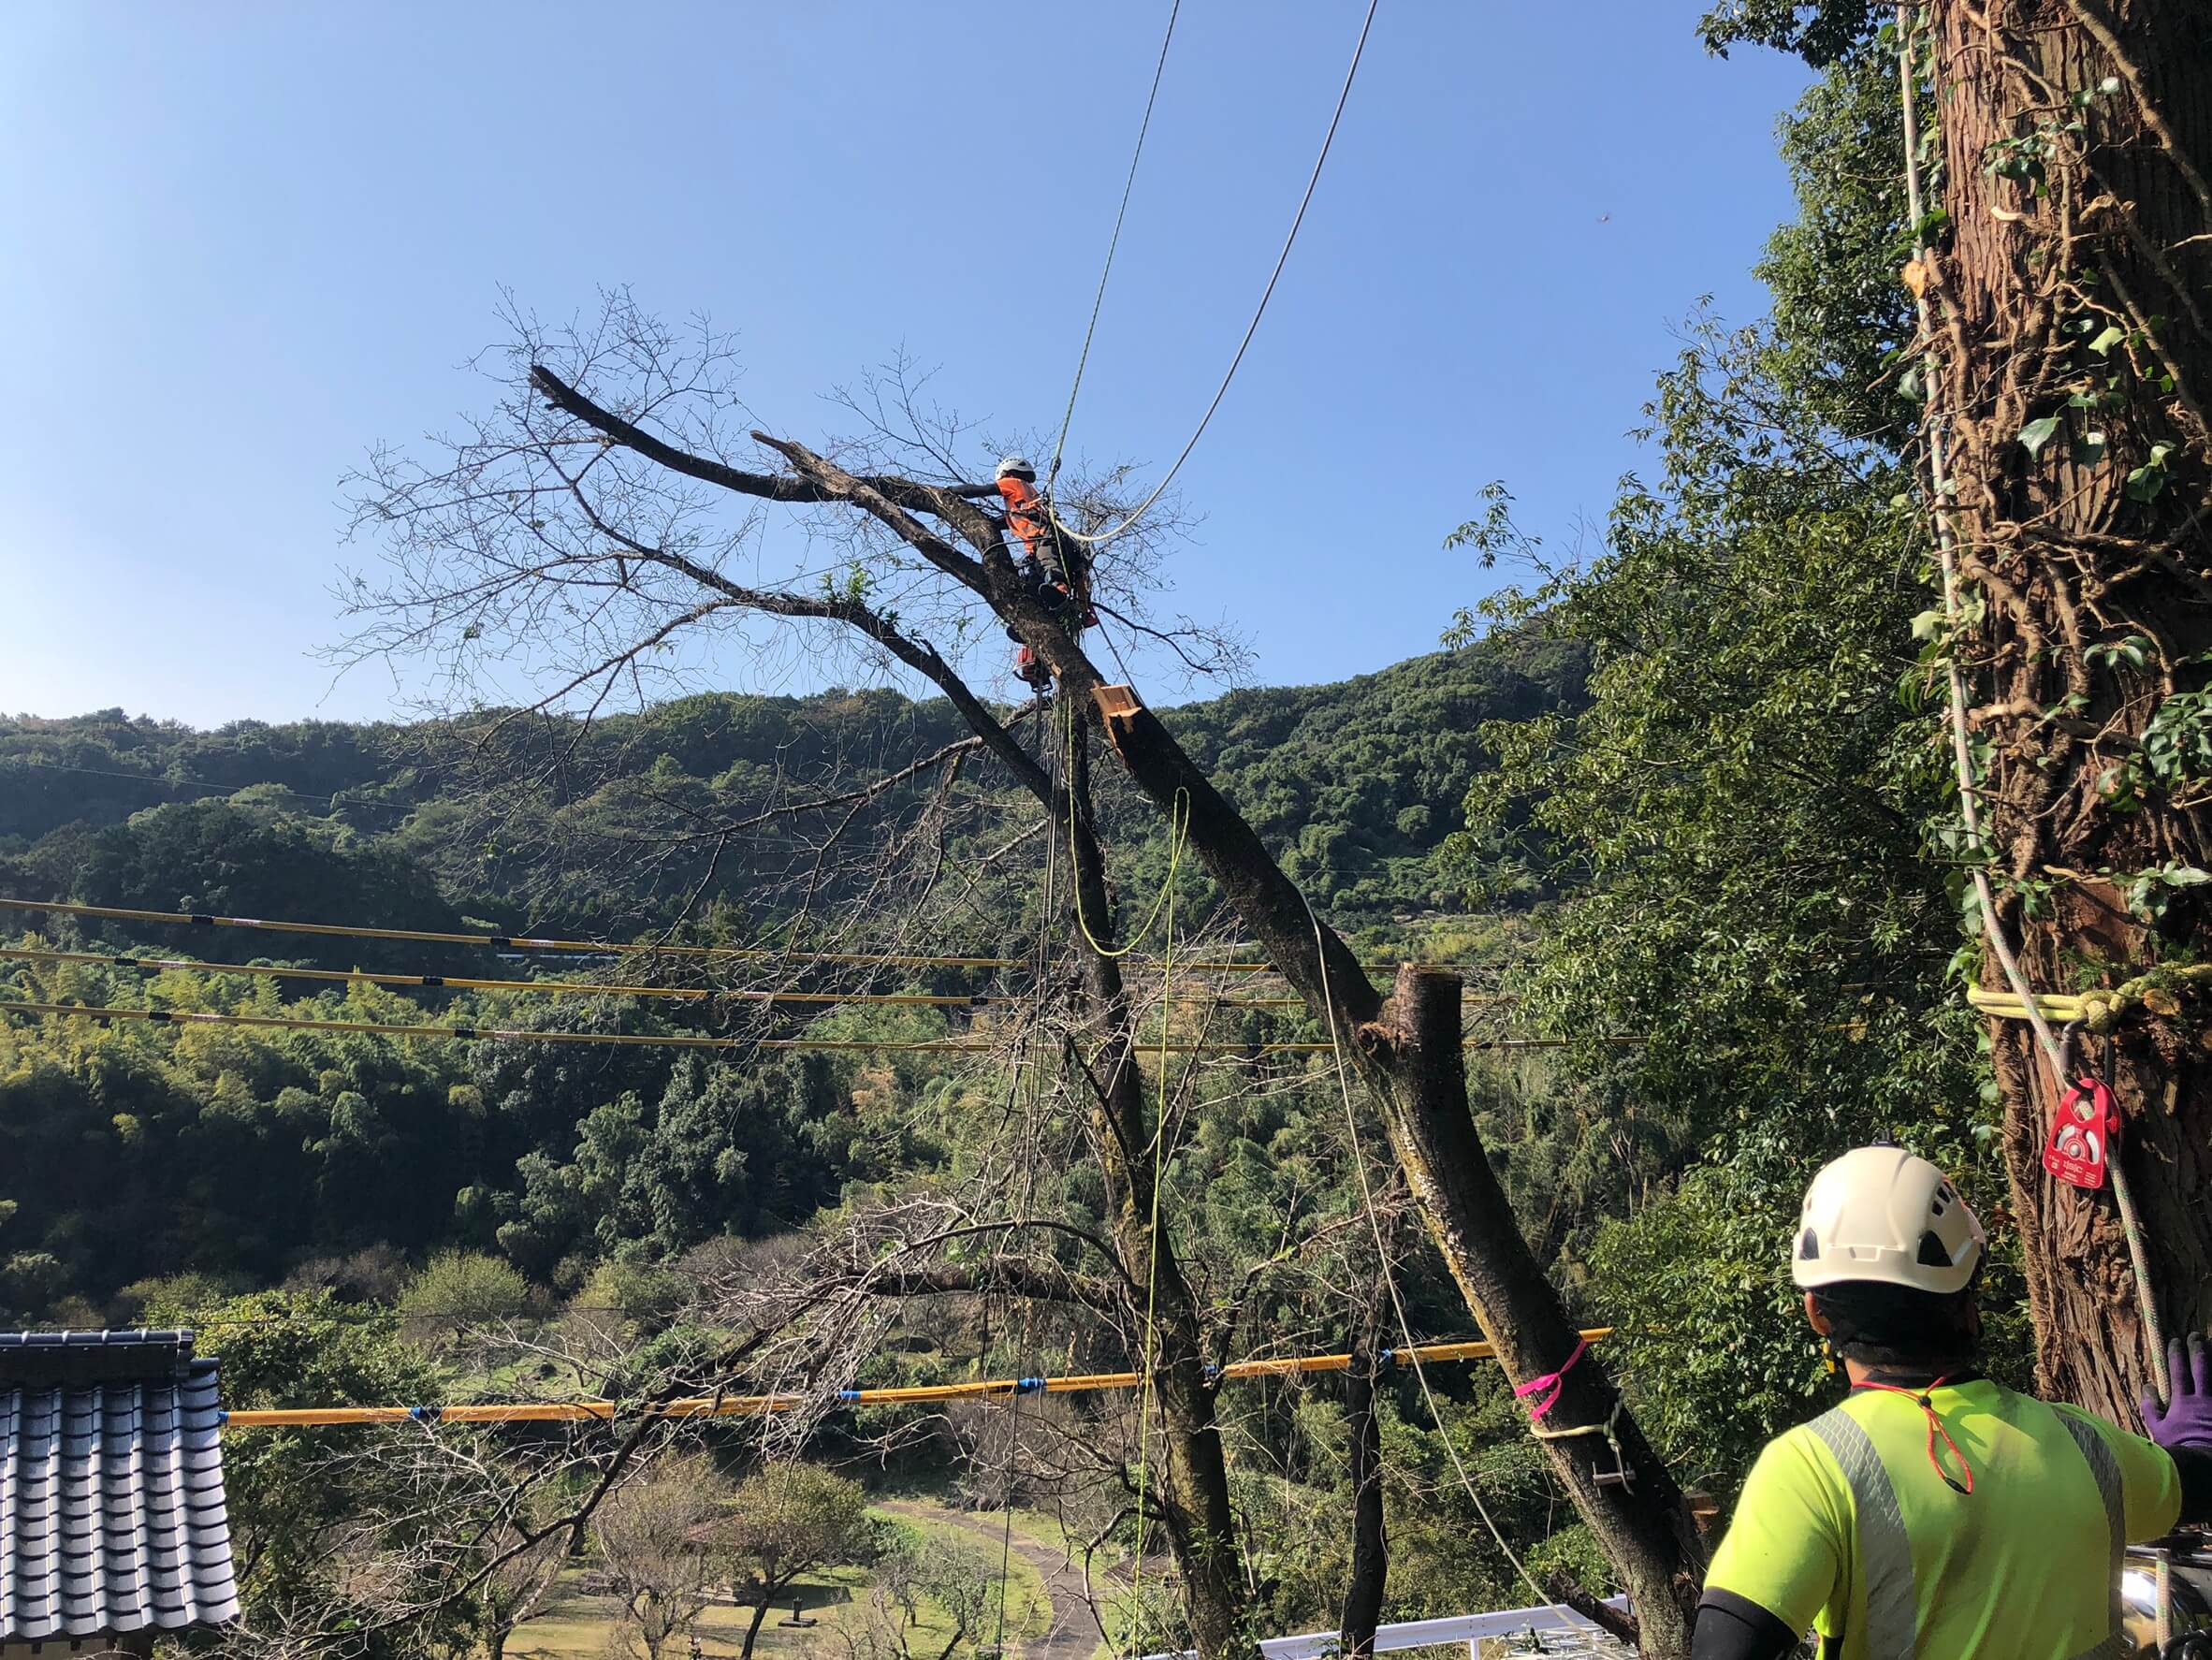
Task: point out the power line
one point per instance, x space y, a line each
597 947
144 778
472 1034
558 988
571 988
722 1406
1252 328
1098 299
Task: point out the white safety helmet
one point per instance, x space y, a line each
1016 464
1885 1215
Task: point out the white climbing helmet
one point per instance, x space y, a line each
1885 1215
1016 464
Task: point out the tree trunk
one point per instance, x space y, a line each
753 1629
1371 1552
1408 1055
1201 1525
2074 137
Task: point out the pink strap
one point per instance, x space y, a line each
1551 1384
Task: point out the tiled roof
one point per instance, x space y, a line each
111 1509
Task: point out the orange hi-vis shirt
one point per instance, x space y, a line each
1024 514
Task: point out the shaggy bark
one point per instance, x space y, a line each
2072 287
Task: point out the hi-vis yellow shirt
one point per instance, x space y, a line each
1846 1528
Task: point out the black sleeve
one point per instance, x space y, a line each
1733 1627
973 492
2195 1465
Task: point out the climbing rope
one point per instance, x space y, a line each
1178 834
1961 757
1382 1256
1159 1160
1112 243
1304 201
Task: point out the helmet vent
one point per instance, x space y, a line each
1808 1246
1931 1253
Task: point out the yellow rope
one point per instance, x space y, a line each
725 1406
1178 826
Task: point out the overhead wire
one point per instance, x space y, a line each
729 1406
1112 243
1304 201
568 988
557 988
521 942
691 1040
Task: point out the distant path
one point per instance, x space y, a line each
1073 1634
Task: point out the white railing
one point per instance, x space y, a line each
1551 1623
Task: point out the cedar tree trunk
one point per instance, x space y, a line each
2071 366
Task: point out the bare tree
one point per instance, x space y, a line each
601 515
660 1552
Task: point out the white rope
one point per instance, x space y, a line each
1112 243
1253 327
1382 1255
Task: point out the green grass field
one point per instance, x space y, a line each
578 1625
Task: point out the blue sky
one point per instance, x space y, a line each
248 241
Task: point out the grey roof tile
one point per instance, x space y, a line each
112 1516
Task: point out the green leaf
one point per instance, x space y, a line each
2088 449
2145 483
2035 435
2111 337
1928 625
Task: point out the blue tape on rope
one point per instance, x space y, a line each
425 1414
1028 1386
847 1394
1387 1356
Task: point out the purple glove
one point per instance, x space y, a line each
2186 1420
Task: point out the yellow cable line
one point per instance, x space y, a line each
580 988
602 947
687 1040
553 988
755 1405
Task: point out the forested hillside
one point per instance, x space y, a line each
1357 784
247 1153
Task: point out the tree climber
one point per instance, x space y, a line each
1936 1513
1050 566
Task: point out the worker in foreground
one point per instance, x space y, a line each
1049 566
1934 1513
